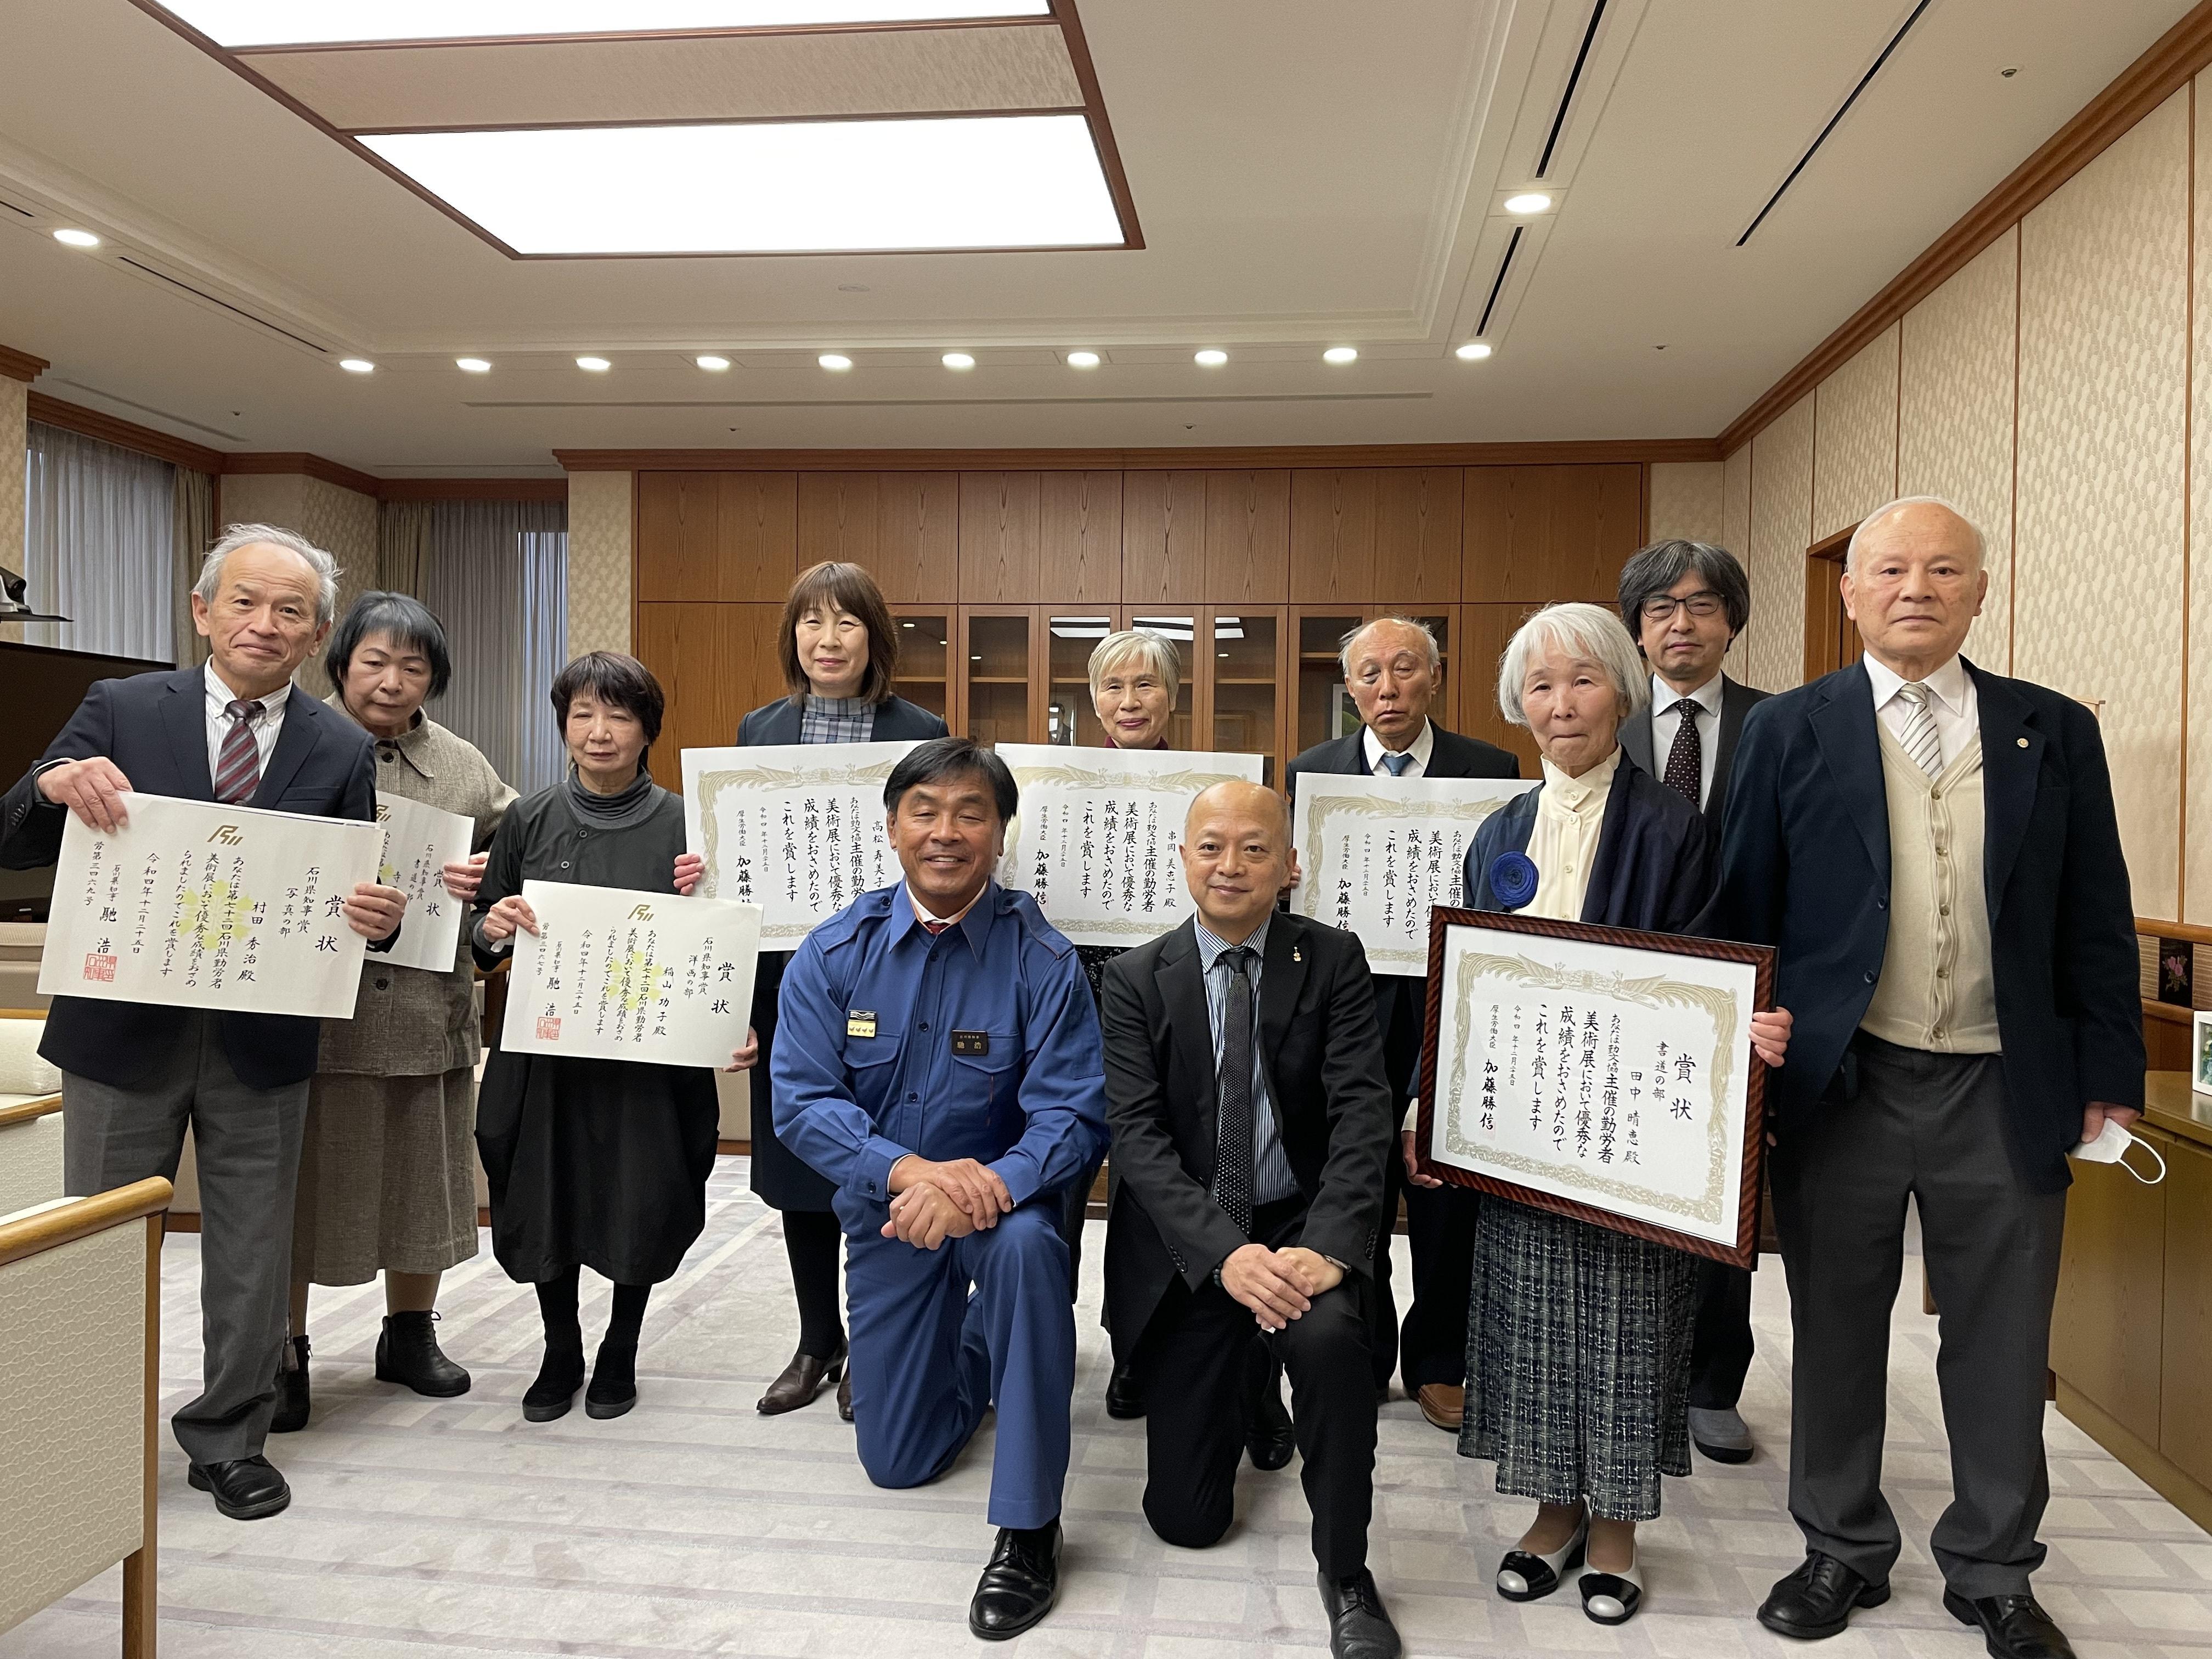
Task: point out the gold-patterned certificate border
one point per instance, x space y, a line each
713 786
1496 955
1324 805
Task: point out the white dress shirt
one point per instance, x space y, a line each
1666 724
1420 749
1562 843
266 727
1954 704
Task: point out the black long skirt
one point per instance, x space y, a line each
783 1179
597 1163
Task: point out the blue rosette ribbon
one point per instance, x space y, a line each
1513 879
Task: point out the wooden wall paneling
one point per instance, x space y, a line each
1000 534
1419 515
676 528
838 520
903 526
1163 537
1549 532
1333 535
718 536
757 536
1484 630
1079 557
1248 537
716 663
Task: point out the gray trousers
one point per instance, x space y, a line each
1932 1126
246 1144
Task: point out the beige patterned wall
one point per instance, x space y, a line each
599 561
2196 827
1855 438
1735 536
1781 530
1955 419
13 438
342 522
1685 501
2102 485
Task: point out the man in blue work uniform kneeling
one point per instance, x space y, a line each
939 1060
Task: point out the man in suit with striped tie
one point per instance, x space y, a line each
135 1074
1933 851
1685 602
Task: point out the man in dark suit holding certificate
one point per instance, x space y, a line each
1932 848
1393 670
134 1074
1251 1123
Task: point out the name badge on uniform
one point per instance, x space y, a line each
974 1044
860 1023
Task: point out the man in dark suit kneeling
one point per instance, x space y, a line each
1251 1121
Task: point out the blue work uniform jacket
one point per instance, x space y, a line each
982 1041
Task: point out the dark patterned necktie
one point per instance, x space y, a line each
238 766
1232 1167
1685 761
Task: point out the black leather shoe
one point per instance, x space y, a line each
1124 1400
1358 1628
844 1397
291 1389
1020 1585
1816 1601
801 1380
1269 1439
614 1380
2012 1626
559 1376
244 1488
407 1353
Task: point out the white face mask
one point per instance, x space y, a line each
2110 1147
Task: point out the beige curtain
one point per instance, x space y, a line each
193 534
403 549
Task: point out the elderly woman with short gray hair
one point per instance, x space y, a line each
1578 1336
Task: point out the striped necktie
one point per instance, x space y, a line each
1233 1160
1396 764
1919 738
237 767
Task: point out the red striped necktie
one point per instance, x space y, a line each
933 929
237 767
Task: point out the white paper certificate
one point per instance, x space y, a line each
202 906
796 829
1377 853
419 843
1612 1076
1095 842
615 973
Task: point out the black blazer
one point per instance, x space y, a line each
1322 1055
896 719
1805 867
1453 756
1736 701
1654 870
155 727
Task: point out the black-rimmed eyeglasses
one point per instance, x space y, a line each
1662 608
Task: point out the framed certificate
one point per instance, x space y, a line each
1598 1072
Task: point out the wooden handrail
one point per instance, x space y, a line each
24 1110
2196 933
80 1218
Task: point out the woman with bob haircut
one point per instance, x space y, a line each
591 1162
1578 1336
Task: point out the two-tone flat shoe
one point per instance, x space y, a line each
1524 1576
1612 1598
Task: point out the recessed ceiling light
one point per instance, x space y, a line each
834 359
957 360
1473 352
1339 354
474 365
597 364
76 239
1083 359
1210 358
356 365
990 181
269 22
1534 201
717 364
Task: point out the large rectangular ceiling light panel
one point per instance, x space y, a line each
816 186
287 23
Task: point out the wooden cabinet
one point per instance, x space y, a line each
1218 537
903 526
1537 533
715 663
1387 534
2105 1327
716 535
2184 1427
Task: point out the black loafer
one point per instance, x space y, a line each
2012 1626
244 1488
407 1353
1124 1400
1358 1628
1269 1439
292 1402
1019 1586
1818 1599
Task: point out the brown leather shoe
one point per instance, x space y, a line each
801 1380
1443 1405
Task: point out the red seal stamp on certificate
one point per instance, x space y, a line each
100 967
549 1030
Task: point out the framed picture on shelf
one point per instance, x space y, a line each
2200 1052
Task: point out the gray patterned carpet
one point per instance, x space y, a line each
694 1526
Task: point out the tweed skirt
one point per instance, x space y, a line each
387 1176
1577 1361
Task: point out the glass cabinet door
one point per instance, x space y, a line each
1180 632
1246 682
1325 708
924 644
1444 710
1069 715
999 679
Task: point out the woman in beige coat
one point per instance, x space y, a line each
387 1168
